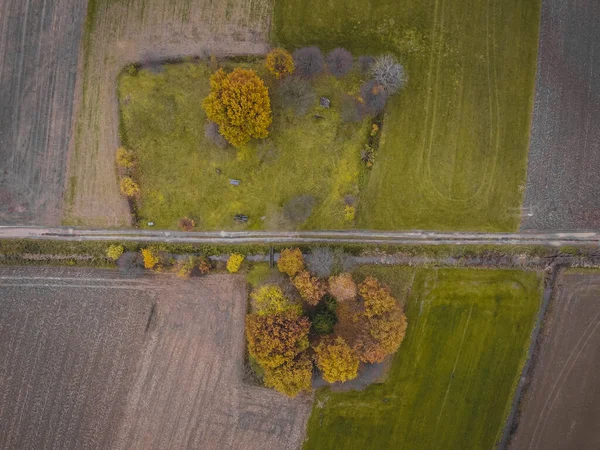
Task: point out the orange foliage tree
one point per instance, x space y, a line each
239 103
290 261
342 287
279 62
336 360
311 289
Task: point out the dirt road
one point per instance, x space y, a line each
39 48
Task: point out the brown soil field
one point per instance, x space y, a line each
39 48
94 359
561 407
120 33
562 189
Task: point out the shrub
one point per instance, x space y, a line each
298 209
388 72
349 213
114 252
374 97
129 187
234 262
279 62
336 360
320 262
183 269
276 339
151 257
270 299
343 287
311 289
290 261
367 155
297 94
186 224
239 103
290 378
211 132
309 61
125 158
204 266
365 63
339 62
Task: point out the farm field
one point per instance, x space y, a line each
562 189
39 46
96 359
451 383
560 409
182 174
454 147
120 33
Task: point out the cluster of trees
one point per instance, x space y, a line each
332 324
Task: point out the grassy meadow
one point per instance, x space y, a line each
454 147
162 121
451 383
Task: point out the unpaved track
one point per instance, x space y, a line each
562 406
132 31
562 190
94 359
39 47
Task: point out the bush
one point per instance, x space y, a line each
270 299
125 158
279 62
290 261
309 61
211 132
186 224
298 209
297 94
388 72
336 360
343 287
339 62
234 262
151 257
291 378
204 266
349 213
320 262
365 63
239 104
114 252
129 187
374 97
183 269
311 289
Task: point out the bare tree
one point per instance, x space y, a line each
365 63
374 97
388 72
309 61
339 62
320 262
211 131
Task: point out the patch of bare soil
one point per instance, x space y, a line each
94 359
564 160
561 407
39 47
128 32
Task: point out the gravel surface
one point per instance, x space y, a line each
39 48
562 190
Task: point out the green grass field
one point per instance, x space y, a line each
162 121
454 148
451 383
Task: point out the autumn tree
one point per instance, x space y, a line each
336 360
270 299
234 262
290 261
342 287
311 289
239 104
279 62
129 187
276 339
151 257
290 378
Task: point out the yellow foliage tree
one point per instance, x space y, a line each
290 261
280 62
129 187
114 252
336 361
291 378
234 262
239 103
151 258
270 299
